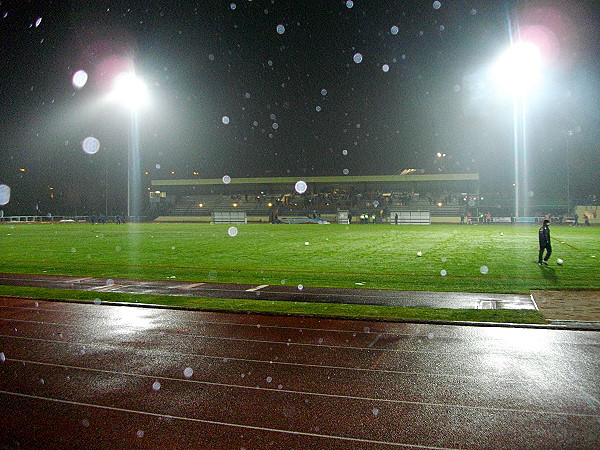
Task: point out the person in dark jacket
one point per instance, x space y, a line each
544 236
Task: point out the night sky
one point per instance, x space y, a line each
307 88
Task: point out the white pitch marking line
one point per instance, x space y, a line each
214 422
191 286
299 392
254 289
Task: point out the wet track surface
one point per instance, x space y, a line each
455 300
97 376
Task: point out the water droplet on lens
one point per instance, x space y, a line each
281 29
156 386
188 372
226 179
394 29
484 269
357 58
233 231
301 187
225 120
443 273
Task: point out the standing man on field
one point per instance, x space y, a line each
544 236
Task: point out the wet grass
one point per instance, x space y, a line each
491 258
371 312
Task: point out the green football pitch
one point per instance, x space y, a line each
476 258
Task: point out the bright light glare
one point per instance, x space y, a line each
129 90
517 69
4 194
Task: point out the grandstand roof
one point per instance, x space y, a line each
409 178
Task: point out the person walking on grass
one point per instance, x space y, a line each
544 237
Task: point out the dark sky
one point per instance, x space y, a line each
298 104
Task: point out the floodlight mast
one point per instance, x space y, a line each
132 93
516 73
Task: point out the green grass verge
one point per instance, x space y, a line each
284 307
489 258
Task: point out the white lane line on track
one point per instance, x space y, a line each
226 424
260 361
107 287
257 288
309 393
191 286
76 280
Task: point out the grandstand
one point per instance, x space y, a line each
445 196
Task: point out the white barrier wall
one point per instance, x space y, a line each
410 217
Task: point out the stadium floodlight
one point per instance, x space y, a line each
131 92
518 68
517 72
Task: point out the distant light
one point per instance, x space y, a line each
235 205
21 170
90 145
300 187
4 194
80 78
269 204
357 58
439 155
172 172
280 29
145 173
195 173
200 205
440 204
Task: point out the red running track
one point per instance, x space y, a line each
97 376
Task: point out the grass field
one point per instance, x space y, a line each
489 258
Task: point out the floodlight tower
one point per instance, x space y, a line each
517 72
132 92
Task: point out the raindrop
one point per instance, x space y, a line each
300 187
349 4
247 95
385 68
419 253
273 117
270 63
323 92
318 108
442 27
225 120
484 270
117 249
443 273
375 411
226 179
300 287
2 357
269 379
188 372
140 433
110 282
73 249
275 126
4 194
85 423
430 335
357 58
156 386
344 152
97 301
233 6
444 259
42 381
395 30
320 340
437 5
473 12
280 29
158 166
90 145
345 171
79 79
306 243
38 21
173 247
280 386
37 304
366 330
233 231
